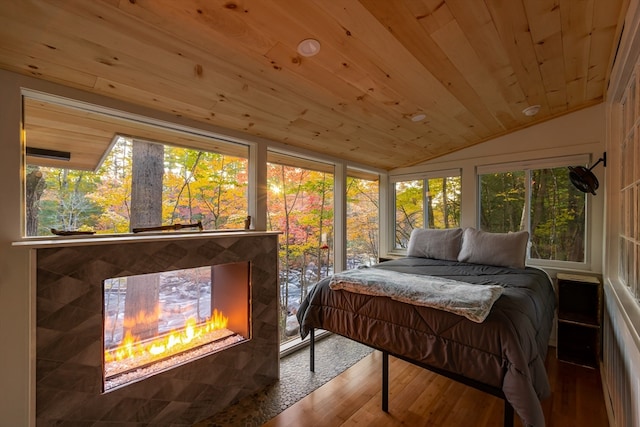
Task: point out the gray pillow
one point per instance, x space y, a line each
500 249
436 244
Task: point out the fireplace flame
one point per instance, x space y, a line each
167 344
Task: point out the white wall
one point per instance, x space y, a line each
581 132
16 313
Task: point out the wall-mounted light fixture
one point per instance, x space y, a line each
48 154
583 179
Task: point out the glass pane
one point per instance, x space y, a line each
502 202
91 172
300 205
190 186
443 202
409 210
557 216
624 267
362 222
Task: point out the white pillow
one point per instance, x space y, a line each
500 249
436 244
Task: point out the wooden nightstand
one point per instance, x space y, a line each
579 319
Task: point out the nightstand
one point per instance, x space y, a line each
579 319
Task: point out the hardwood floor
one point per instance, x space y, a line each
418 397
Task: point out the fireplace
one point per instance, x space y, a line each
156 321
196 279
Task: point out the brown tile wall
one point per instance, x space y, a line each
69 334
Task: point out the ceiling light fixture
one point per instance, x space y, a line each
531 111
418 117
309 47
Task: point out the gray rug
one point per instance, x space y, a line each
334 355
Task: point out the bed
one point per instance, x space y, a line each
502 354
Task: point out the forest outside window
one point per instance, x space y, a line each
120 174
432 202
300 205
362 218
540 200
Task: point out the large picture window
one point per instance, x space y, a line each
362 218
432 202
542 201
88 171
629 189
300 205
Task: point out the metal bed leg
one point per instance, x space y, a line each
385 381
508 414
312 350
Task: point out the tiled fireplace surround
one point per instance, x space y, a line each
69 356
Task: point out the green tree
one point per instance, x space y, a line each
409 210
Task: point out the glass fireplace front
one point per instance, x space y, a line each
154 322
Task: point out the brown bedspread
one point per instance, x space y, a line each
506 351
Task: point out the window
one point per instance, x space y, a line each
95 172
362 219
629 236
432 202
542 201
300 205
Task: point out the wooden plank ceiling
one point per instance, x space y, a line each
470 66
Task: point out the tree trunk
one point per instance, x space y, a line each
146 184
445 203
34 188
146 211
430 220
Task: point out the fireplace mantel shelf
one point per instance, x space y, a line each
108 239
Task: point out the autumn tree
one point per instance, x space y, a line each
409 210
362 221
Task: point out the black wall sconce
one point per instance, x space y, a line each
583 179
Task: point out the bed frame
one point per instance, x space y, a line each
494 391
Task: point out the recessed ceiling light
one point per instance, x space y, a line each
309 47
531 111
418 117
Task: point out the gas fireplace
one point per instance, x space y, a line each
166 329
156 321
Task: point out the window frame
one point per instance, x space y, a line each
527 167
170 132
424 177
628 187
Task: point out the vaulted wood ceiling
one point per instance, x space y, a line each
470 66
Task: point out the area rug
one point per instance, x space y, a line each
334 355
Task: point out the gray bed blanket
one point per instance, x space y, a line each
464 299
507 351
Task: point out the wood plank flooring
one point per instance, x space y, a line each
418 397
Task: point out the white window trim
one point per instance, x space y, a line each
581 159
390 245
444 173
